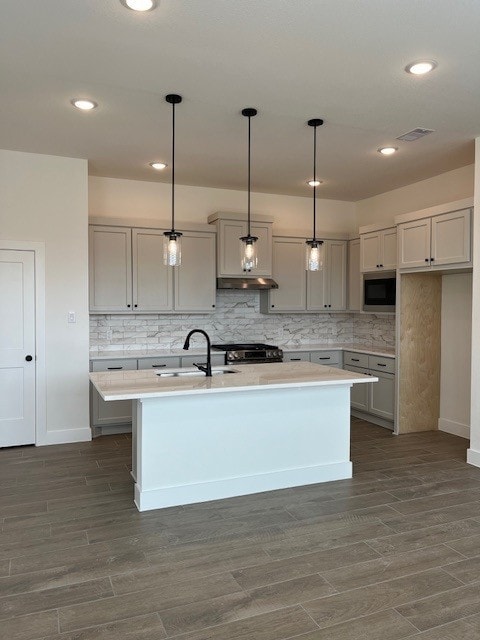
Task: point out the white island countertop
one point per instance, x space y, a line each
133 385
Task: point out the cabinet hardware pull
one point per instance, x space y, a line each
355 359
213 306
28 358
427 260
273 306
135 305
381 266
157 366
432 259
378 266
379 364
114 368
128 305
325 358
295 359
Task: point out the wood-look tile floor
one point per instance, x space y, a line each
393 553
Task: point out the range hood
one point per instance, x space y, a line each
246 283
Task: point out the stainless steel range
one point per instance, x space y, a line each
249 353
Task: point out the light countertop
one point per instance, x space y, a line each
387 352
131 385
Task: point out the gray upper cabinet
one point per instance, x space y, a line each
440 240
110 272
127 274
229 248
300 290
378 250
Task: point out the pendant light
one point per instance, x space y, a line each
172 242
248 247
314 253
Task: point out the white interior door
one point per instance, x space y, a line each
17 348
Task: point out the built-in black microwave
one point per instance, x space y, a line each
379 292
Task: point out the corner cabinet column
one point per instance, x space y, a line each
110 272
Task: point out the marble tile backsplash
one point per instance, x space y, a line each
237 318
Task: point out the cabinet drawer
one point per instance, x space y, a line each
296 356
356 359
114 365
378 363
218 359
159 363
326 357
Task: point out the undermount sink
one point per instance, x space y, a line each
193 373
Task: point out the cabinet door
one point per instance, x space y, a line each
382 396
354 275
195 285
264 248
290 275
152 280
337 274
359 392
229 256
370 251
389 249
414 244
451 238
110 269
317 287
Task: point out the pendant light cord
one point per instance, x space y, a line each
249 172
314 181
173 166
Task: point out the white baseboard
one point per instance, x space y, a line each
66 436
239 486
455 428
473 457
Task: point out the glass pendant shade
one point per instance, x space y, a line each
314 255
172 248
248 253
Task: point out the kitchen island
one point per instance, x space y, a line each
247 429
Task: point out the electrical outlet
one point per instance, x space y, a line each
71 317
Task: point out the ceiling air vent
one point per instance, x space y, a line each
415 134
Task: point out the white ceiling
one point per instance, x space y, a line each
341 60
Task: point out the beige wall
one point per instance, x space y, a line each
456 354
473 455
134 199
44 198
447 187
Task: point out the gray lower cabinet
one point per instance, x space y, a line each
107 414
329 358
376 399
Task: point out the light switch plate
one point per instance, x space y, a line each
71 317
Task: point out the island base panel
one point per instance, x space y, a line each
196 448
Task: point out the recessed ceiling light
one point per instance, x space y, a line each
420 67
159 166
84 105
314 183
139 5
387 151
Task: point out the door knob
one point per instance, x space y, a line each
28 358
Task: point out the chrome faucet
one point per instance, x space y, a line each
208 368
